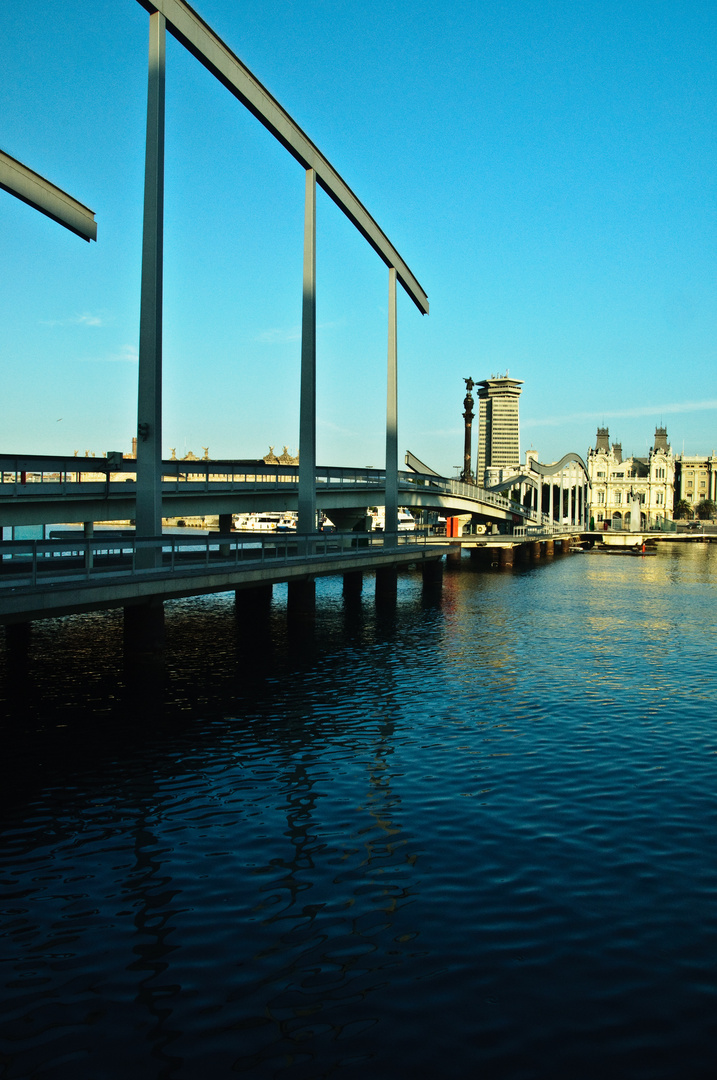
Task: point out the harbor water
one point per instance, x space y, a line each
469 835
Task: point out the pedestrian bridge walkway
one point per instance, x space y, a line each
41 579
37 489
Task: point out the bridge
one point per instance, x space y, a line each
139 572
40 489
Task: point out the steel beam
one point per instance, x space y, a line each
198 37
39 193
391 511
307 406
149 409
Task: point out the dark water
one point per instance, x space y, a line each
472 838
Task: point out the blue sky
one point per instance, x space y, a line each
547 170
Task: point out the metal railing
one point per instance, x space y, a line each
31 563
96 476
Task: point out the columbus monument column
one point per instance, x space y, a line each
467 474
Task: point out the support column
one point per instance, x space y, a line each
17 638
307 407
386 584
391 519
89 532
552 509
148 513
433 573
353 583
301 599
506 556
254 601
144 632
225 527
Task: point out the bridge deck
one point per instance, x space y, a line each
43 579
37 489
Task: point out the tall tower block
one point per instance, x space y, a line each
498 424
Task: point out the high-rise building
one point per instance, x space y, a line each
498 424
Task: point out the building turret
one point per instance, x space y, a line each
602 441
661 442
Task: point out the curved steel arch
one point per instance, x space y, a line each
198 37
550 470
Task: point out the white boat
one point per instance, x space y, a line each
270 521
406 522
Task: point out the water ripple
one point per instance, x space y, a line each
474 837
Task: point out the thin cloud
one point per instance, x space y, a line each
279 336
127 354
620 414
336 429
86 319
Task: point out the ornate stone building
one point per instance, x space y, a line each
622 487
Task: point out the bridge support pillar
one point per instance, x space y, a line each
386 584
89 532
353 583
549 547
254 601
225 527
535 549
433 573
455 554
301 599
144 633
17 636
565 545
506 556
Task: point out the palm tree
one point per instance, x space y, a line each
706 509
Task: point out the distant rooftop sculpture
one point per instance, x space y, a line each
285 458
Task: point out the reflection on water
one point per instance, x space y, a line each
466 837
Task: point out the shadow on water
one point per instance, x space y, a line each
99 752
70 700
